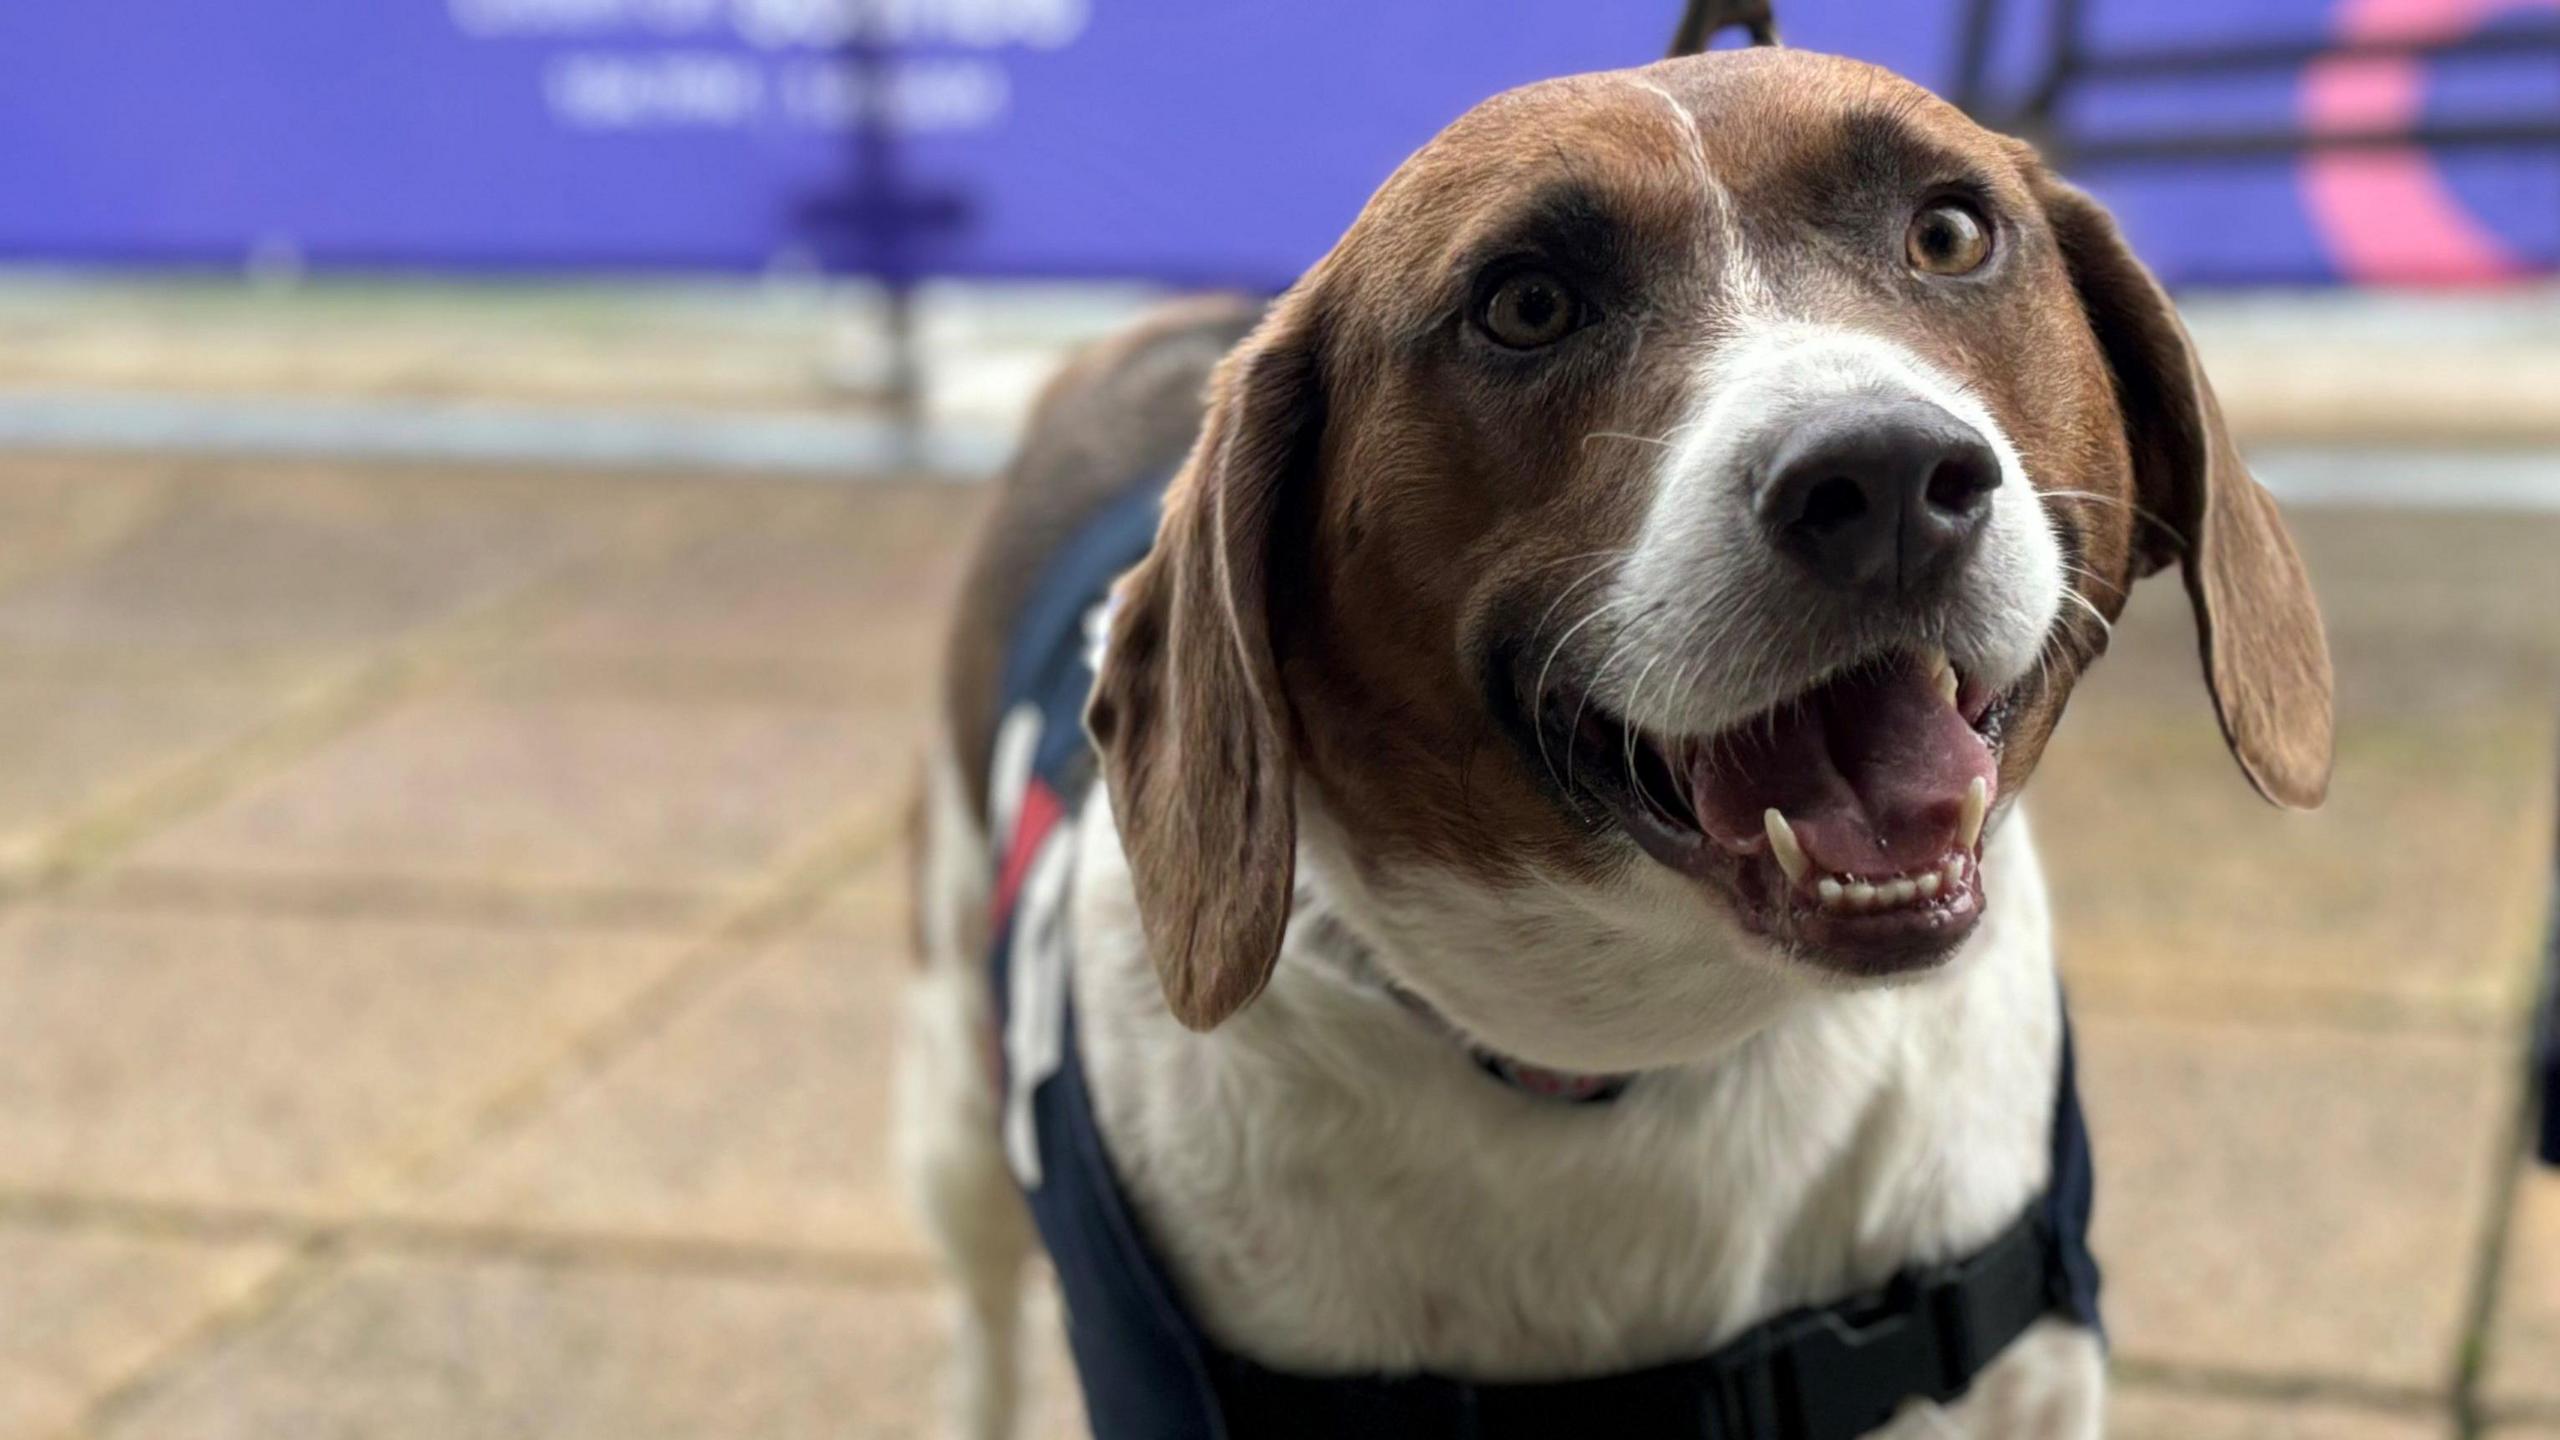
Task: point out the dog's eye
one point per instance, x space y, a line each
1947 237
1530 309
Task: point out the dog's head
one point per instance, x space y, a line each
1645 548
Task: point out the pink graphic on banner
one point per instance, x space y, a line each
2388 214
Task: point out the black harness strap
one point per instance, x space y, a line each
1832 1372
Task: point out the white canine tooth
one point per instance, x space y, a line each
1861 894
1927 885
1782 844
1942 674
1899 892
1830 890
1977 799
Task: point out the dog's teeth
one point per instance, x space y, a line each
1977 800
1942 675
1843 893
1782 845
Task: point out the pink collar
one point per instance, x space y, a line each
1520 1075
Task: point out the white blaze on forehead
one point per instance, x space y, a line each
1744 285
1687 124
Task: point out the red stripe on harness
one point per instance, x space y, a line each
1040 813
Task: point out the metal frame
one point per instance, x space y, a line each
2069 61
866 225
1701 19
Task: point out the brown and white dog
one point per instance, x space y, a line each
1616 599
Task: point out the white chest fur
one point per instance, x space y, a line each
1338 1188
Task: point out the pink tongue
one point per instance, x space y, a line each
1871 770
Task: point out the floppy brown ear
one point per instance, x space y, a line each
1195 735
2266 659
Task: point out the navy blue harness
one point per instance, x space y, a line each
2546 1031
1150 1373
2547 1063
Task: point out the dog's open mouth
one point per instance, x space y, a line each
1847 820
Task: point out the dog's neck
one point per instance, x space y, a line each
1325 1144
1569 977
1331 944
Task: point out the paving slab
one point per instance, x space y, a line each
2144 1412
2428 612
402 1348
758 1117
84 1309
236 1060
55 508
2524 1341
494 788
850 583
2289 1202
2435 612
2418 891
291 565
72 742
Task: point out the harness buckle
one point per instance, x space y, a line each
1846 1370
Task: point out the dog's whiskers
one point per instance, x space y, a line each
1663 441
1635 781
1582 702
2116 500
2073 595
1554 560
2090 608
1538 692
1585 578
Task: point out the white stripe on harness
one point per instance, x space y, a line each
1036 1002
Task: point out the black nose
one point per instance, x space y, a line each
1879 495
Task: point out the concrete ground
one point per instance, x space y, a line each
453 918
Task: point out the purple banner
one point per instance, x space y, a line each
1169 139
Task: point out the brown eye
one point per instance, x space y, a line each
1529 310
1947 238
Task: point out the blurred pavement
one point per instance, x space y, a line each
453 914
785 373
